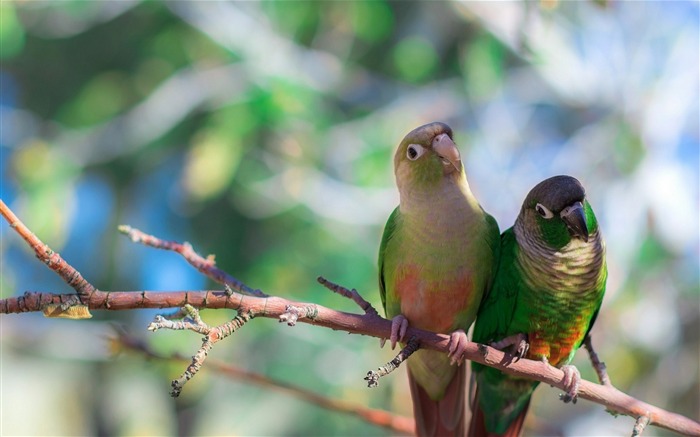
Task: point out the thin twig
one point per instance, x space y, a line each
597 364
206 266
350 294
397 424
640 424
372 377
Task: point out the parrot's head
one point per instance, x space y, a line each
556 210
427 157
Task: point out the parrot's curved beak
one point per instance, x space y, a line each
575 218
448 153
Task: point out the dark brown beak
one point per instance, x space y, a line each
575 218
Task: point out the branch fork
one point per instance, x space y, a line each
192 321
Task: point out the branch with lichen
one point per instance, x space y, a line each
251 303
384 419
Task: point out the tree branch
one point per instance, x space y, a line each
47 256
369 323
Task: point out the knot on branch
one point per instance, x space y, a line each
70 308
293 313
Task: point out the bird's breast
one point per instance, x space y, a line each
439 303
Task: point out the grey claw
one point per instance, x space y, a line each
521 351
517 343
399 326
572 380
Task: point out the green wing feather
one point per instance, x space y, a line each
599 304
389 230
498 392
498 305
493 240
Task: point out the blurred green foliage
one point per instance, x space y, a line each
264 133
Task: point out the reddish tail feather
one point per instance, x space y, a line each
445 417
477 426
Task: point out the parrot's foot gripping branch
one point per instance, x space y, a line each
572 380
458 344
399 326
372 377
517 345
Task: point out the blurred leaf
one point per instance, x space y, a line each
372 21
99 100
372 169
629 150
290 101
415 58
149 74
7 285
298 19
48 180
483 64
168 45
11 31
211 164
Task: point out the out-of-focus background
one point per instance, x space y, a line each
264 133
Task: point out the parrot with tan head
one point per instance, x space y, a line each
437 258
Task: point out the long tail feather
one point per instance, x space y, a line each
477 426
445 417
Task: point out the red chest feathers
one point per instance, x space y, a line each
443 304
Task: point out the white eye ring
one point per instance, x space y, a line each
543 211
414 151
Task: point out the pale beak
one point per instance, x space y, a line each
447 151
575 218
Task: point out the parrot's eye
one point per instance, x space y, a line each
414 151
543 211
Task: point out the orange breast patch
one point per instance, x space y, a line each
556 346
441 305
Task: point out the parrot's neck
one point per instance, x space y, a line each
428 210
575 268
441 218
